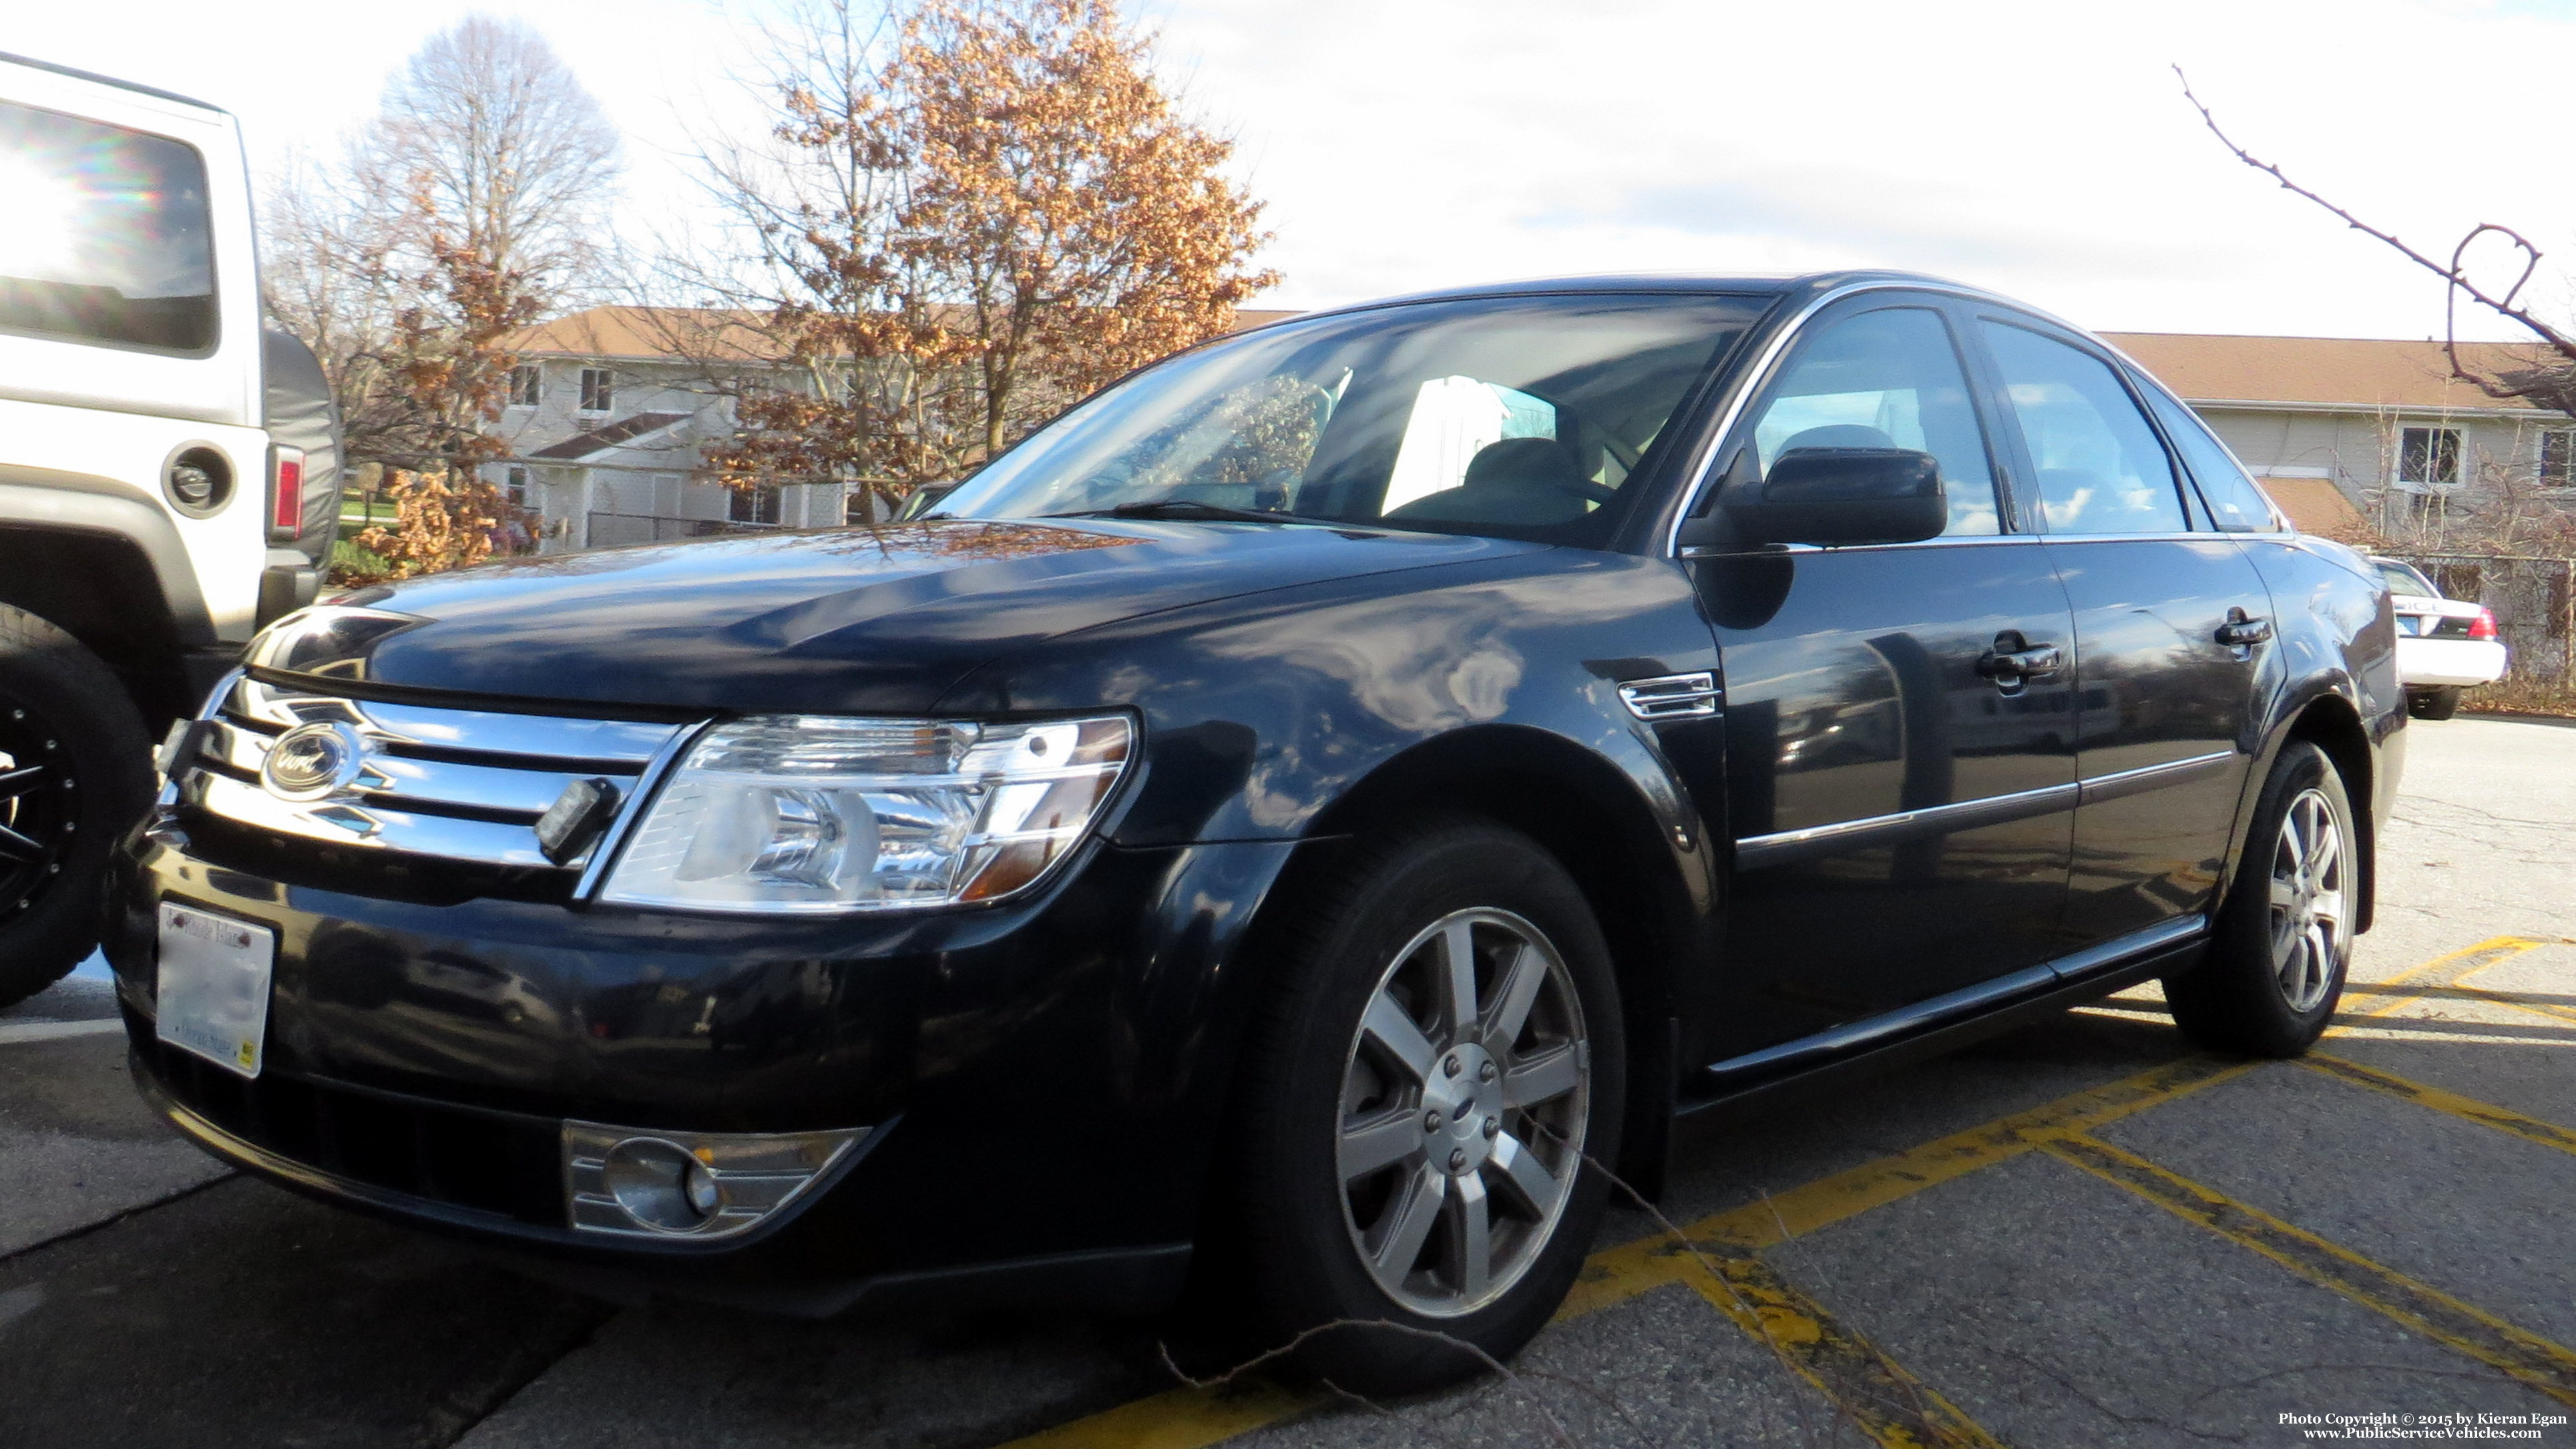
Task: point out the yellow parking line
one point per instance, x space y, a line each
2485 1114
1616 1274
2441 971
2427 1310
1874 1392
1717 1257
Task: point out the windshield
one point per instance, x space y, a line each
2402 579
1521 417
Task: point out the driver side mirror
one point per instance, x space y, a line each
1844 496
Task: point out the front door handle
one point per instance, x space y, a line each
2015 661
2242 632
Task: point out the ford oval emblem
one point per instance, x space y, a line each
312 761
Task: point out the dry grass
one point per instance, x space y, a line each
2523 696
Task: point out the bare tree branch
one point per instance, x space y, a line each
2550 386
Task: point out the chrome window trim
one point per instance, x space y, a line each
1783 847
1947 540
1760 374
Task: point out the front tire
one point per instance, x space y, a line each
2283 938
1439 1074
75 770
2439 702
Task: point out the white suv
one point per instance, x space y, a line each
168 471
2443 645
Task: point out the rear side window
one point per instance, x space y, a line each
104 234
2234 500
2100 468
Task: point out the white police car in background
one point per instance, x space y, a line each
2443 645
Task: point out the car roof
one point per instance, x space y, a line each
108 80
1741 284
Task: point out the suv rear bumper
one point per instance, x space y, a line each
1040 1079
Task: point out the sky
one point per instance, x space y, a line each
2043 149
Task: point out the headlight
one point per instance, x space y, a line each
819 813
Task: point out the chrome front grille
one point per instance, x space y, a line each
450 784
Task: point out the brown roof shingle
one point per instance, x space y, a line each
2351 372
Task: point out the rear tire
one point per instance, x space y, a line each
1407 1161
2439 702
2283 938
75 771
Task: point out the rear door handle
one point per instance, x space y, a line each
2243 632
2011 667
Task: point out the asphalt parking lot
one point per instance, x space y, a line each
2079 1235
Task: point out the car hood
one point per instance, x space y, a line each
861 620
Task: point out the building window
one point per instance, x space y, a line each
527 384
753 505
515 484
599 394
2429 457
2558 458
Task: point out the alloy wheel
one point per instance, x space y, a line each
35 806
1465 1098
2309 914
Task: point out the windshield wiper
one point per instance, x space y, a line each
1184 508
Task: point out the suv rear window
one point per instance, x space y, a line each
107 234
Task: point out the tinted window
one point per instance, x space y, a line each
1516 416
103 234
2100 468
2234 500
1886 379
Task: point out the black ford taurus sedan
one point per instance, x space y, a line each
1287 833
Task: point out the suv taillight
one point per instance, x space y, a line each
285 492
2484 625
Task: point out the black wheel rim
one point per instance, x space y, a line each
36 793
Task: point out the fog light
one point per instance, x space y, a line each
646 1183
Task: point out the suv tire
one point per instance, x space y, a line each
78 771
2440 702
2276 960
1361 1183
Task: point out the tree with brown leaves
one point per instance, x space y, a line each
470 206
966 215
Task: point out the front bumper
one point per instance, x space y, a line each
2426 662
1036 1076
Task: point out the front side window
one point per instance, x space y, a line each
2429 457
2099 467
1885 379
104 234
1520 417
2235 501
598 390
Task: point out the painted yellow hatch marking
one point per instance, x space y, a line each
2427 1310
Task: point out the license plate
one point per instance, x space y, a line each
2409 624
214 986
